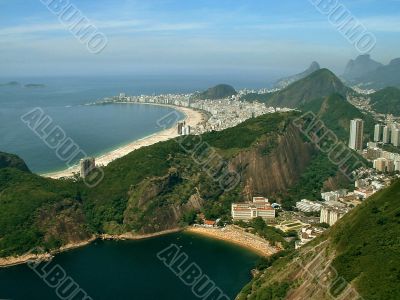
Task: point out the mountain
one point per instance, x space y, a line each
386 101
319 84
284 82
381 77
12 161
220 91
362 65
336 112
155 188
358 256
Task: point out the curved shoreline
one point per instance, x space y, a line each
234 235
12 261
230 234
192 118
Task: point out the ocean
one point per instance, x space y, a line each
95 129
132 270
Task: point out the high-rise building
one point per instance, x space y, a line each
180 127
390 166
87 165
356 134
330 215
386 134
378 133
396 137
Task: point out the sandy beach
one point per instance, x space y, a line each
238 236
231 234
192 118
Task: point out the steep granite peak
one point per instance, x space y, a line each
314 66
395 62
284 82
362 65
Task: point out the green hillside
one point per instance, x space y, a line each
159 187
361 252
220 91
12 161
386 101
336 112
319 84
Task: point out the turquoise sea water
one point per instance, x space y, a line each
95 129
131 270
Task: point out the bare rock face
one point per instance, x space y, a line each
63 223
272 165
145 213
268 173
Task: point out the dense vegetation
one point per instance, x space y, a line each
336 113
321 83
12 161
140 192
363 248
386 101
220 91
272 234
368 246
22 195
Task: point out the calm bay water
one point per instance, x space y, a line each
96 129
131 270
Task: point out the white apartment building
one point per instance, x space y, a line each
308 206
260 207
334 195
356 134
330 215
378 133
386 134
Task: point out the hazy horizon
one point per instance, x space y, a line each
261 38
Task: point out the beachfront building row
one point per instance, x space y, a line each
260 207
184 129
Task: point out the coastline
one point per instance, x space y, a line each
231 234
235 235
192 118
12 261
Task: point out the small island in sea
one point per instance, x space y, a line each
11 83
34 85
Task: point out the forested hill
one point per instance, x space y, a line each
162 186
319 84
220 91
359 256
12 161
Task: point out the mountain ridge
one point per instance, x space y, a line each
284 82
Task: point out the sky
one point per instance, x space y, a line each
247 37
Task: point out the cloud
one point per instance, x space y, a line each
382 23
115 26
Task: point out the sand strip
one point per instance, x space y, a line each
238 236
193 118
